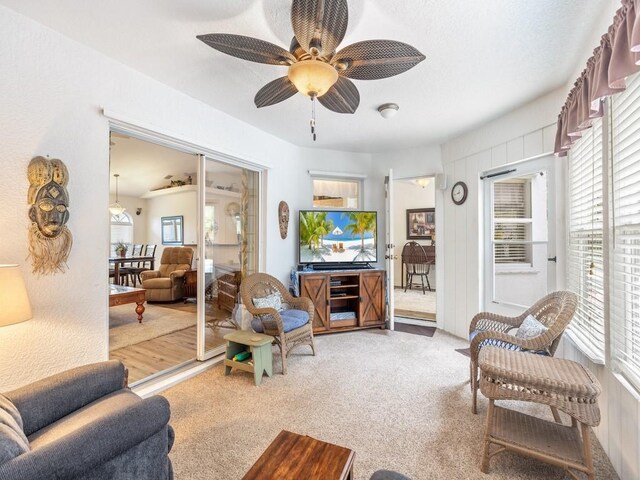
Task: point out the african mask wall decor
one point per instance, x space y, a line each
283 219
49 237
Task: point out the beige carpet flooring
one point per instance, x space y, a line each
124 329
400 401
415 304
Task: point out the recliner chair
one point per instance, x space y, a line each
84 424
167 283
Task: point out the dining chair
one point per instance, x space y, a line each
126 270
417 264
146 251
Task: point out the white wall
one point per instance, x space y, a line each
408 195
53 89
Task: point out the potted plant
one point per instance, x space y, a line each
121 249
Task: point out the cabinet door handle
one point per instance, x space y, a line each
327 302
361 299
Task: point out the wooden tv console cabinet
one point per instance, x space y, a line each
345 299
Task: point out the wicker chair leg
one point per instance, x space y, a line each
474 388
586 445
313 346
484 465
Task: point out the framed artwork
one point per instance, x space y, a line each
421 223
172 228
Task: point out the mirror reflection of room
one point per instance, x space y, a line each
415 239
154 247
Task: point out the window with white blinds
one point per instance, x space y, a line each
512 222
625 291
121 230
585 272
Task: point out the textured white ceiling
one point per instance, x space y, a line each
483 58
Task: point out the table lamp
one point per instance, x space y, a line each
13 296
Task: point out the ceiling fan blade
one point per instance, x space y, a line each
319 24
343 97
374 59
275 92
248 48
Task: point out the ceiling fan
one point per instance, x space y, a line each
315 68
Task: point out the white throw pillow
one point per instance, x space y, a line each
273 300
530 328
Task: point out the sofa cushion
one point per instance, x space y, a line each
8 406
291 320
83 417
13 441
163 282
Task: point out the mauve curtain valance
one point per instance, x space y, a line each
617 57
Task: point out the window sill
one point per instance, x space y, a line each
594 357
518 271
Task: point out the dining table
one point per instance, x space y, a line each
120 261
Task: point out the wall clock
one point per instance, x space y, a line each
459 193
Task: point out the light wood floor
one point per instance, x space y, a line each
153 356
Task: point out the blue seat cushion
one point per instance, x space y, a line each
291 320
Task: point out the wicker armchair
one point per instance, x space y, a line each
555 311
259 285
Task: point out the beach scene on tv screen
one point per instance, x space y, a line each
337 237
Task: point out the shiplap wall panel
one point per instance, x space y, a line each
515 150
449 253
533 144
460 245
548 138
498 155
629 434
472 206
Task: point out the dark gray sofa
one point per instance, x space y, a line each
84 424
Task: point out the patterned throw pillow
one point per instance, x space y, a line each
530 328
273 300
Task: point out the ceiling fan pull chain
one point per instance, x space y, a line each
313 117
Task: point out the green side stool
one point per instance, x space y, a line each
259 345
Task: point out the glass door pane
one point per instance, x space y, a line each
229 248
519 239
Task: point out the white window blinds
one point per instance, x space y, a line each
585 274
512 222
625 291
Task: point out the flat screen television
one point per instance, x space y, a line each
337 236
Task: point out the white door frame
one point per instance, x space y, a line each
121 124
547 163
389 248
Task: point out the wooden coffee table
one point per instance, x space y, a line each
120 295
293 456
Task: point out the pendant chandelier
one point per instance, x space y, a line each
116 208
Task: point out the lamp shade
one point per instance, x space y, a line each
13 296
313 77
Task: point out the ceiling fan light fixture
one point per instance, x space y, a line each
388 110
312 77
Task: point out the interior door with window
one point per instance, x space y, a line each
519 243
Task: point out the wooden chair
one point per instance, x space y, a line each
554 311
136 270
417 263
273 322
126 271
